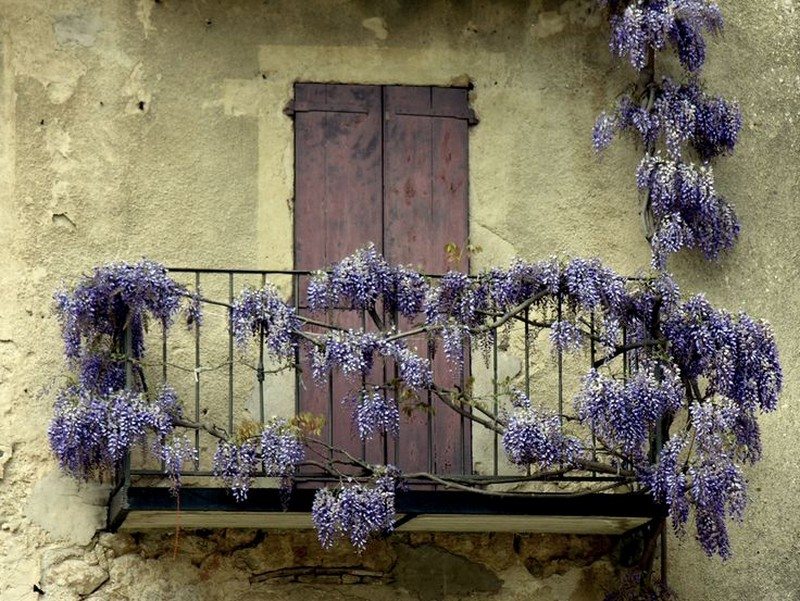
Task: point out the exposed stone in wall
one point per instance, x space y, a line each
377 26
225 564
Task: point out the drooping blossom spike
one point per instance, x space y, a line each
263 310
281 449
623 414
640 28
236 465
566 336
681 115
533 437
686 209
116 295
175 454
374 412
355 510
90 432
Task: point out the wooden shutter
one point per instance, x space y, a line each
386 165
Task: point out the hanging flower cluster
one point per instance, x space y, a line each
533 437
362 279
278 451
375 411
623 414
356 510
681 203
637 27
91 432
96 419
264 311
681 116
687 362
117 295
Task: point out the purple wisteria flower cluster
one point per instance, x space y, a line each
624 414
281 449
91 432
640 27
353 352
681 115
534 437
264 311
375 411
278 451
116 295
236 465
686 209
736 354
356 510
360 280
738 359
175 453
97 420
681 205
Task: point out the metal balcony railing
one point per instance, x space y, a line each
222 385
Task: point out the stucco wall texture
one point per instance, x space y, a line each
155 128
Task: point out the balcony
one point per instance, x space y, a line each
461 480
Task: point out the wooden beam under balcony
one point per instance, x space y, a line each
141 508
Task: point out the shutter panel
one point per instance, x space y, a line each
338 200
426 207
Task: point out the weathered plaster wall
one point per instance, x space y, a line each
156 128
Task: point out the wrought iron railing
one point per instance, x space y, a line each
221 385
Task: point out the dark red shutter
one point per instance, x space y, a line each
386 165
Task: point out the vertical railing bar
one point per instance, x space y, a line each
592 357
397 400
385 435
330 411
429 416
164 355
260 373
163 372
197 378
230 355
560 374
496 407
624 355
527 353
127 338
465 354
296 294
364 383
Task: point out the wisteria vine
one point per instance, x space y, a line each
681 128
696 375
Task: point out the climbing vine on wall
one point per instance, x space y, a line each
681 128
700 374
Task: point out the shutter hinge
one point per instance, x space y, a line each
288 110
472 118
